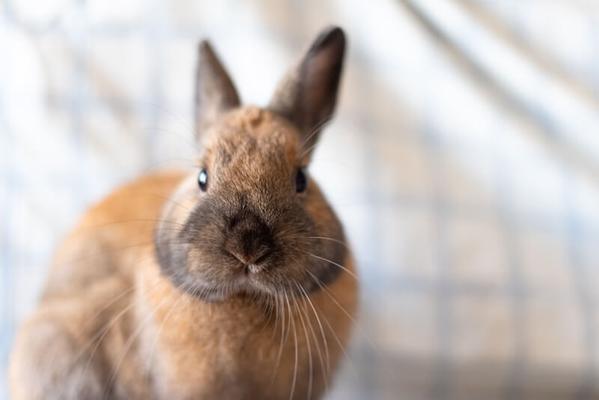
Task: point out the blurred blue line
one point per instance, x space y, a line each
6 245
581 281
153 111
442 382
79 105
369 383
518 366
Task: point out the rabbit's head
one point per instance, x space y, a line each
250 219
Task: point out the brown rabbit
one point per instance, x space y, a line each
231 282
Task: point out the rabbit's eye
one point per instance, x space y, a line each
203 180
301 182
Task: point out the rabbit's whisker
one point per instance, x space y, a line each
347 270
330 239
325 359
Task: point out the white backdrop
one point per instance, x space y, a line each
464 161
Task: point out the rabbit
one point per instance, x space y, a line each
229 281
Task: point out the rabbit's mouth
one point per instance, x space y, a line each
276 276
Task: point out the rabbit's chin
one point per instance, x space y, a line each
244 285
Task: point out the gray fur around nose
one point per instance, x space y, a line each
248 237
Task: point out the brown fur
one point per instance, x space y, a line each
144 300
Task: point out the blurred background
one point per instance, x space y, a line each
464 162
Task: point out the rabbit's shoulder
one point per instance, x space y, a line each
112 234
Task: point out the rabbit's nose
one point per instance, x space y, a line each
249 239
251 257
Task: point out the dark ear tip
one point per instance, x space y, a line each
330 36
205 48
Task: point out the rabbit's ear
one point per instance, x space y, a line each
307 95
214 90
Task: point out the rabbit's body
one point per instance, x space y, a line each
240 289
105 282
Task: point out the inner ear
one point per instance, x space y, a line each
215 92
307 95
